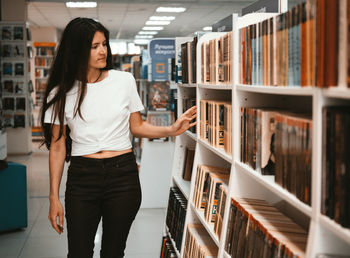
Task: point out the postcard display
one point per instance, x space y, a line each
304 202
16 102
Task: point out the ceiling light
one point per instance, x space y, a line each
143 37
208 28
141 41
148 32
81 4
157 22
153 28
170 9
162 18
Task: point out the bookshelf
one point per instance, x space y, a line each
16 102
324 235
44 54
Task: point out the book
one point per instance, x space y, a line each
6 33
188 163
18 33
8 87
20 104
8 103
19 121
7 69
19 69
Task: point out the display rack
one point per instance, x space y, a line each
324 235
16 99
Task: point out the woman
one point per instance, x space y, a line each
100 106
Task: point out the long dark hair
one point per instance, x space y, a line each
70 65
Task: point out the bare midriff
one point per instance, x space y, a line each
106 154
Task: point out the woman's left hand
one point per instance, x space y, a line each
184 122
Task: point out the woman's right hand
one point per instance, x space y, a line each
56 210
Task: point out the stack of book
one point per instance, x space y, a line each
210 190
216 123
279 144
167 250
216 64
296 48
188 61
257 229
198 243
176 214
335 201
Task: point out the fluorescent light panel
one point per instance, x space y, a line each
141 41
157 22
208 28
162 18
81 4
153 28
143 37
148 32
170 9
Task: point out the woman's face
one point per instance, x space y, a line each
98 52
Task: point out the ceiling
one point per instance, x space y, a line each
125 18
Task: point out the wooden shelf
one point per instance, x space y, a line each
338 230
219 152
341 93
281 90
192 135
216 86
183 185
272 186
209 228
172 241
187 85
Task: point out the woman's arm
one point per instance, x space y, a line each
140 128
57 157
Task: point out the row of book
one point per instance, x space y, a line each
187 103
13 120
257 229
176 215
296 48
188 163
45 51
209 196
43 61
12 50
14 87
12 32
42 72
167 250
189 61
279 144
10 103
216 60
198 243
216 123
335 197
12 69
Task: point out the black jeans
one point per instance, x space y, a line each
107 188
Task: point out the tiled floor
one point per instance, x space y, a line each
39 240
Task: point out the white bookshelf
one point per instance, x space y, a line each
324 235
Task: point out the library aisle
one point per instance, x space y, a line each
40 240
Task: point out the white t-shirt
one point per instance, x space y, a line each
105 109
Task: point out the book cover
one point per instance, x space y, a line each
7 69
6 33
19 69
8 87
19 121
158 96
18 33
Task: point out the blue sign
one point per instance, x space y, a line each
162 48
160 71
